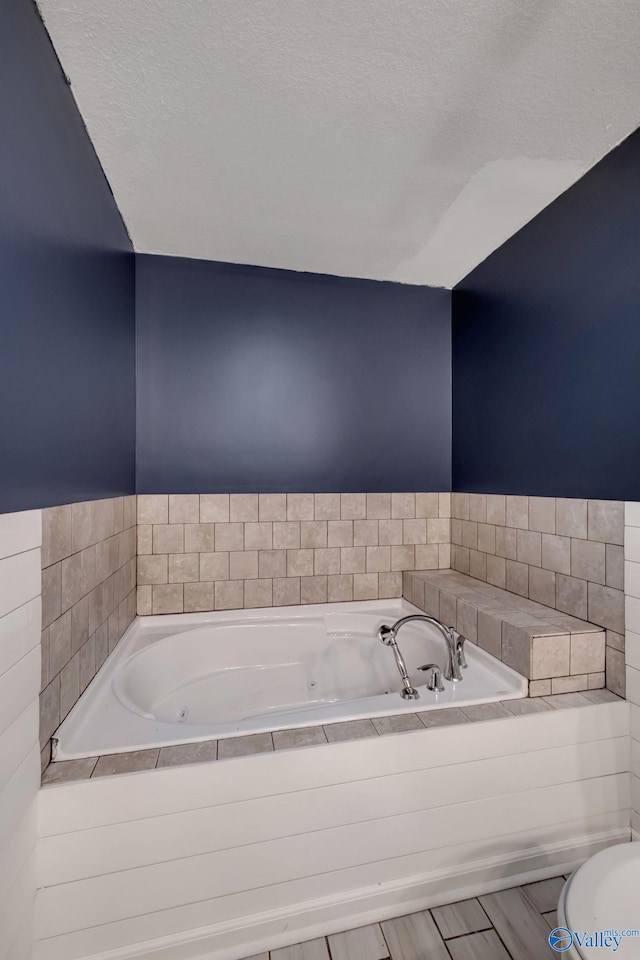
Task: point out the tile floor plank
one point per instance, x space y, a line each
311 950
364 943
478 946
414 937
543 895
457 919
552 919
521 928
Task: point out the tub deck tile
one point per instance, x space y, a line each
131 762
184 753
349 730
68 770
245 746
397 724
301 737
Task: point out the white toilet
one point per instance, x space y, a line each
602 897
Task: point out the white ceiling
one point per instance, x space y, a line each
390 139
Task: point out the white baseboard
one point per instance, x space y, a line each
316 918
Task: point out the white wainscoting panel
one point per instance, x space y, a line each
20 626
227 859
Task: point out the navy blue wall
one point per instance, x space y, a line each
546 348
67 390
253 379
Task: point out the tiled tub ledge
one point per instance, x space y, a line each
208 751
557 653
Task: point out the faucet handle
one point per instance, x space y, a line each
435 680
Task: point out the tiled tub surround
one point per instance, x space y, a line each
557 653
220 552
88 598
564 553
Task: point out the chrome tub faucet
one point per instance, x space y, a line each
456 661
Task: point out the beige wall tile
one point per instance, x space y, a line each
300 506
542 586
542 514
272 506
199 537
184 567
365 533
517 578
340 588
153 569
615 670
313 533
340 533
540 688
518 512
478 565
571 518
80 619
460 506
426 556
51 593
71 580
467 620
390 531
286 536
353 506
444 556
597 682
497 571
365 586
444 505
438 531
229 594
313 589
378 559
497 509
556 553
569 684
459 559
228 536
490 634
258 536
427 505
506 542
87 663
69 685
326 506
478 507
587 653
448 610
144 603
299 563
152 508
144 538
529 547
571 596
286 591
60 647
273 563
615 640
214 507
353 559
414 531
402 557
614 566
403 505
327 561
184 508
516 649
244 565
168 538
456 531
469 534
243 507
258 593
56 534
214 566
606 607
378 506
487 538
389 585
588 560
550 657
605 521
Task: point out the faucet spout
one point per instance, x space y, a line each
454 641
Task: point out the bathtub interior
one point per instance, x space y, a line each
192 677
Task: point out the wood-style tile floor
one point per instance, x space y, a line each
513 924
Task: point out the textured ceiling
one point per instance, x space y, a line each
391 139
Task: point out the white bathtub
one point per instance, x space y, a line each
206 676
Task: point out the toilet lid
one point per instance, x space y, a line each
604 895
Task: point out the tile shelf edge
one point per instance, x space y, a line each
81 770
